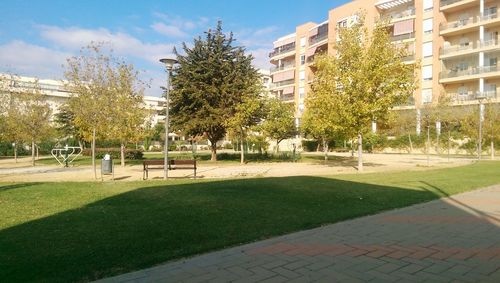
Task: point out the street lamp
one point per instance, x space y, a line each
480 97
169 65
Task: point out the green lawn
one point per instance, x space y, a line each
60 232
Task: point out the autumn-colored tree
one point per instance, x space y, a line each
248 114
279 123
319 121
106 100
368 78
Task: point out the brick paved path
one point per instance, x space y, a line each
455 239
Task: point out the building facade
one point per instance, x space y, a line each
456 42
56 94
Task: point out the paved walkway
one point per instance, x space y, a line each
455 239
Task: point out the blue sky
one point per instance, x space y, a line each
36 36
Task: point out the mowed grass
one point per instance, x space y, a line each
61 232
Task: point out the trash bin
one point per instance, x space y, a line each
107 164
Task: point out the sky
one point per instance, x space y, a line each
36 36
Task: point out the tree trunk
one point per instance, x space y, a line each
93 154
492 150
449 145
277 146
325 149
360 152
15 152
122 155
32 152
242 152
411 144
213 147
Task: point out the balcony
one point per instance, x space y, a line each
408 58
318 38
403 37
458 26
396 16
458 50
469 74
489 17
287 97
283 83
282 50
455 5
472 96
282 68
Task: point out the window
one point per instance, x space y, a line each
302 42
427 96
427 73
427 49
342 24
302 75
428 26
493 62
302 59
302 92
428 5
490 11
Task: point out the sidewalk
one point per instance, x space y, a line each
453 239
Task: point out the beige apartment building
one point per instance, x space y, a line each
456 42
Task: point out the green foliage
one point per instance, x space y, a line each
130 154
374 142
210 81
6 149
279 123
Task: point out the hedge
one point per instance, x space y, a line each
131 154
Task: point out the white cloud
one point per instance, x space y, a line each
168 30
23 58
261 58
122 43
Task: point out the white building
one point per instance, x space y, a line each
56 94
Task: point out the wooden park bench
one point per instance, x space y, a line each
172 165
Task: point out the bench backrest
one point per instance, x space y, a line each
182 162
154 162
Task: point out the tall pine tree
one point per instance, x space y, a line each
210 81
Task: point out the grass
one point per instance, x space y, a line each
60 232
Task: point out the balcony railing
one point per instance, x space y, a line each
282 49
459 23
317 38
403 36
287 97
283 83
410 57
489 17
449 2
469 72
473 46
399 15
473 96
281 68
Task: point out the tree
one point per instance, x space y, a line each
279 123
106 97
248 114
27 116
319 120
210 81
492 126
65 124
128 113
370 79
405 124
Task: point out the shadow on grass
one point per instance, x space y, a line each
154 224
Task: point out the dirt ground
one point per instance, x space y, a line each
23 172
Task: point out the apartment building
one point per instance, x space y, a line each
455 41
56 94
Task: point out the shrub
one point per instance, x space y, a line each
130 154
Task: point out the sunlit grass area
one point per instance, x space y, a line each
60 232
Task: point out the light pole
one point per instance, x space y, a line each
169 65
481 117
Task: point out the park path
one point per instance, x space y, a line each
453 239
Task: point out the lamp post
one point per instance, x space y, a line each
169 65
480 97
